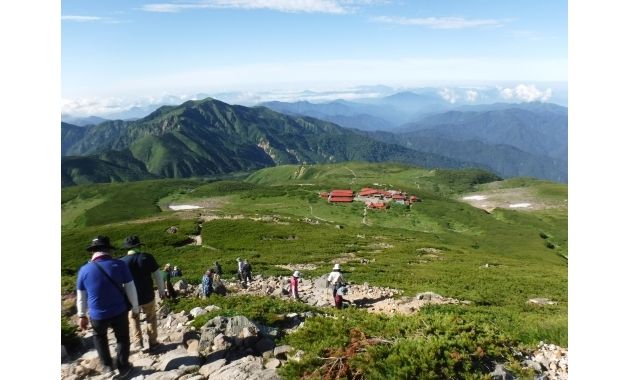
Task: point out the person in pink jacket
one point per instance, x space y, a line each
294 285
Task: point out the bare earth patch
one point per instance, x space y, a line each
521 198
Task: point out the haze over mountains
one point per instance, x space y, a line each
209 137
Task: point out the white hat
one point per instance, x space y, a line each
336 267
296 274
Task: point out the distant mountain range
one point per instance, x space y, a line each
208 137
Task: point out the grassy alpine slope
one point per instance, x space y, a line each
275 216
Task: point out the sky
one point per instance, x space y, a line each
149 49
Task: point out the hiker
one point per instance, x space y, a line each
336 279
341 291
247 272
206 284
239 269
144 269
218 271
105 288
294 285
166 277
176 272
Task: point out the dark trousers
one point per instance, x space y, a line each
120 325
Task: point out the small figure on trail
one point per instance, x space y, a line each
341 291
247 272
206 284
144 270
335 278
294 285
105 287
176 272
239 269
166 275
218 271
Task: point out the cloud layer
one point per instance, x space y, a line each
526 93
292 6
440 22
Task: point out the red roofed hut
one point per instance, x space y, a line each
342 193
340 199
367 191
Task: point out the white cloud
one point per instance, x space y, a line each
526 93
440 22
75 18
448 95
472 95
292 6
82 107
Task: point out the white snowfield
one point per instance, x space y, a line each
520 205
183 207
475 198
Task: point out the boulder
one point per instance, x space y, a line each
198 311
272 363
181 285
281 352
176 358
210 368
247 368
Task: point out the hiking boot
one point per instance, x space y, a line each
124 372
136 347
154 348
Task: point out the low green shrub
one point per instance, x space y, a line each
69 337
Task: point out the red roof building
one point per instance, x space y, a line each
340 199
366 192
342 193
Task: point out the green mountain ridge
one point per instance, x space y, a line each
208 137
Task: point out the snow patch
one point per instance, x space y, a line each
519 205
475 198
183 207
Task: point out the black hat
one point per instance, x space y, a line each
131 242
99 242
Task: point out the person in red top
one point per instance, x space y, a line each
294 285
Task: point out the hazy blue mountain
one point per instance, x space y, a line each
537 128
505 160
82 121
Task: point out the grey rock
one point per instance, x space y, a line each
501 373
265 344
198 311
247 368
143 362
272 363
168 375
280 352
533 364
176 358
181 285
210 368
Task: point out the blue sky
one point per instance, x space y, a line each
129 49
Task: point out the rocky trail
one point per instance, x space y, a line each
236 348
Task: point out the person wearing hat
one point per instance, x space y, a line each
293 281
105 287
239 269
336 279
144 270
166 277
246 270
341 291
206 284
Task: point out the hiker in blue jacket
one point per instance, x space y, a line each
105 288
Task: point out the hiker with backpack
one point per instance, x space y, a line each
341 291
144 270
166 277
335 278
218 271
106 288
239 269
206 284
247 272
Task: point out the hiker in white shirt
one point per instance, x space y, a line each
336 279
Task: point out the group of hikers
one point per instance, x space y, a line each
115 291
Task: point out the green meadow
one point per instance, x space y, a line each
496 260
